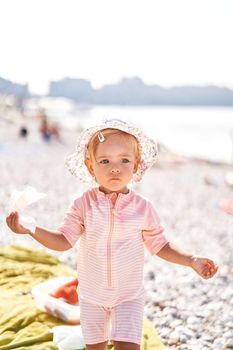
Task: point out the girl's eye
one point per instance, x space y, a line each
125 160
104 161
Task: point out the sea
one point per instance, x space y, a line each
202 132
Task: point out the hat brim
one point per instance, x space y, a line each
147 146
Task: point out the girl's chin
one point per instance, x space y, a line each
117 189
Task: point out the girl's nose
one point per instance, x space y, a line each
115 170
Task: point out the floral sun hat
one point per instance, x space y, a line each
148 150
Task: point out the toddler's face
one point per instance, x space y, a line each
114 164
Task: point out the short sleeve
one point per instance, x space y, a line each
152 233
72 226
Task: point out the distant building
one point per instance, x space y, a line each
7 87
79 90
133 91
128 91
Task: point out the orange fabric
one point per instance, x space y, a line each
68 291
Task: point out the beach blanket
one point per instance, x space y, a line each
22 325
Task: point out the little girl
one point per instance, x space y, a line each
113 224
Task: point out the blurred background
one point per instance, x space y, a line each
166 65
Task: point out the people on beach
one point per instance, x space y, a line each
47 129
113 223
23 132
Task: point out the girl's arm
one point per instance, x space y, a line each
203 266
175 255
50 239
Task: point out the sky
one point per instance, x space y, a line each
164 42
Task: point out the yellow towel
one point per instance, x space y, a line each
22 325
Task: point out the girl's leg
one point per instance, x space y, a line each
127 324
95 322
99 346
120 345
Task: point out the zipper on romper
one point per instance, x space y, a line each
109 244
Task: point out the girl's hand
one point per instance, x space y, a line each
205 267
13 223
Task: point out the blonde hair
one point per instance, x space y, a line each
95 140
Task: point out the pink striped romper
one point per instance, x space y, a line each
113 230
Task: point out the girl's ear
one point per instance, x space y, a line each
136 164
89 166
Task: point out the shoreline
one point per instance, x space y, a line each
9 134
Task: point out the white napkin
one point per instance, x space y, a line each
68 337
21 200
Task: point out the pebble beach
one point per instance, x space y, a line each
188 312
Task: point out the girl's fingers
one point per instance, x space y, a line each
12 220
210 262
211 266
9 219
206 273
209 269
15 218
